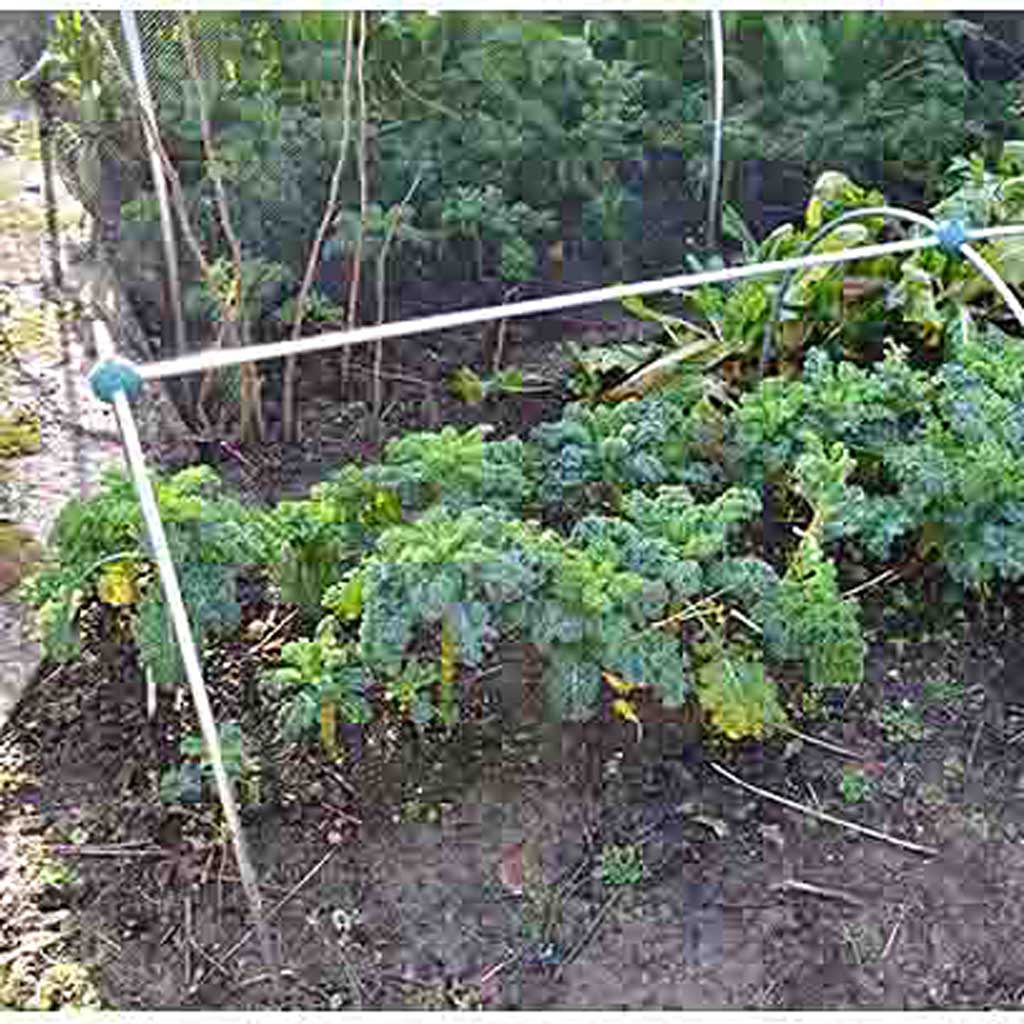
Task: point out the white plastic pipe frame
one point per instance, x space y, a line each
204 360
895 213
219 358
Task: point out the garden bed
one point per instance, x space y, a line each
412 907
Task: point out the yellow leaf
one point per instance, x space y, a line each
625 710
654 374
619 685
329 727
117 584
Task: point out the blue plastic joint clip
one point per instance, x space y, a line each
113 375
952 236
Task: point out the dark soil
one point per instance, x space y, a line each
409 908
335 404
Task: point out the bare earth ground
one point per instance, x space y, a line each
385 876
410 907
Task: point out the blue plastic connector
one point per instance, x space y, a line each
114 375
952 236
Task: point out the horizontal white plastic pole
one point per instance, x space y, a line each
219 358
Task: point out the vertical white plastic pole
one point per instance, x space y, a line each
712 240
186 643
134 44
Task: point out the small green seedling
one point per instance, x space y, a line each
855 786
622 865
902 723
185 784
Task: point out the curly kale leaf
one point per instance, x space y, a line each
622 544
750 581
572 684
697 530
625 445
655 660
809 620
457 469
156 642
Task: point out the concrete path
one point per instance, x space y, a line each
46 375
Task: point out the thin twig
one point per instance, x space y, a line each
233 307
974 745
70 850
344 815
220 883
499 346
204 875
814 796
821 815
286 972
395 217
423 99
357 258
824 744
749 623
851 695
690 611
795 885
276 909
115 946
492 972
591 931
312 261
264 641
353 978
892 935
269 889
210 959
880 578
188 938
341 781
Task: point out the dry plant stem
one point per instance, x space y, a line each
590 932
974 744
498 968
150 126
265 641
153 130
927 851
357 258
256 979
231 310
691 611
892 935
880 578
341 781
422 99
188 937
499 345
823 744
795 885
382 257
330 209
124 850
209 959
740 617
275 910
353 979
